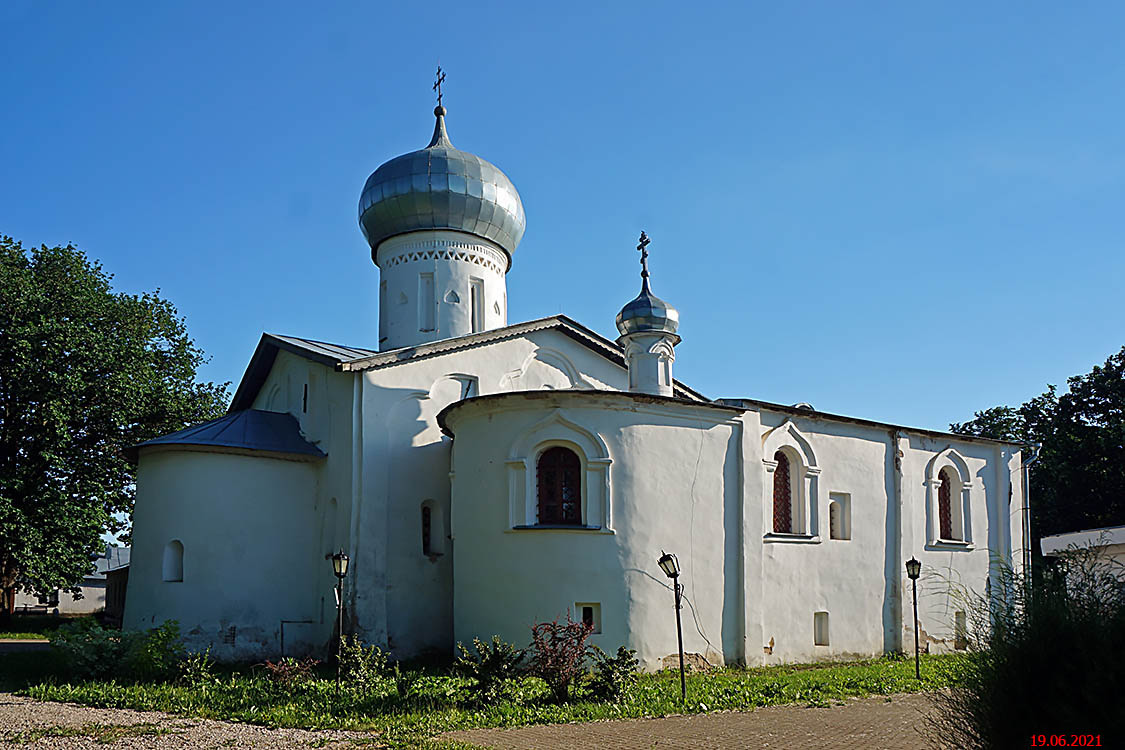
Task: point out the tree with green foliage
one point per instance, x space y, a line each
1079 480
84 373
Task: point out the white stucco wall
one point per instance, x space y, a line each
696 481
249 527
406 598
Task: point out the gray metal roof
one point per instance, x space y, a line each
441 187
333 352
250 430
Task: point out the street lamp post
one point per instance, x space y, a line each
913 570
671 567
340 568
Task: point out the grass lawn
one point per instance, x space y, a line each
436 702
33 627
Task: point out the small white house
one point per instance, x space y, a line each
1109 541
93 589
484 476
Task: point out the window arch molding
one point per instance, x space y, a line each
593 455
804 477
961 491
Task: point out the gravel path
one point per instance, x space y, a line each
26 723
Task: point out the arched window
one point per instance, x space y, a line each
560 487
945 504
782 496
174 561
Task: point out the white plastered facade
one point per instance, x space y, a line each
690 477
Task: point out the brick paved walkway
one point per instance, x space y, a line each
866 724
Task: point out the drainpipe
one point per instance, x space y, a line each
1026 466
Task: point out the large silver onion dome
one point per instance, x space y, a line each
440 187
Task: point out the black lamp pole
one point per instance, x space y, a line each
913 569
340 568
671 567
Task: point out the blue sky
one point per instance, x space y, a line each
899 211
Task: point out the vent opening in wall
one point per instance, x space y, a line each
839 515
590 613
820 628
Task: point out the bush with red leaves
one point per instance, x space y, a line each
558 653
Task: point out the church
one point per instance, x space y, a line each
483 476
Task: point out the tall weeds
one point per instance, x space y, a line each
1046 657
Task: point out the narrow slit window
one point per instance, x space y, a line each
427 528
174 562
426 302
960 631
839 516
476 293
820 628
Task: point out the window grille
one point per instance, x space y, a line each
945 505
560 487
782 496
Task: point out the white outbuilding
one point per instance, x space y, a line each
484 476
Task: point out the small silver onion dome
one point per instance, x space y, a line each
647 313
441 187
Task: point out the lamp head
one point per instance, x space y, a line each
340 564
669 564
913 568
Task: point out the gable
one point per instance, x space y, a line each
349 359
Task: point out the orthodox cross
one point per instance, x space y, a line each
437 84
643 247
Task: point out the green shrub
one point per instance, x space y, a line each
155 654
86 650
558 653
198 670
289 672
614 676
362 667
493 666
1047 659
89 651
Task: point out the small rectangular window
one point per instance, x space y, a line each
305 400
591 614
426 301
476 293
820 628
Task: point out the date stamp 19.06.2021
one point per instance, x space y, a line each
1066 740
